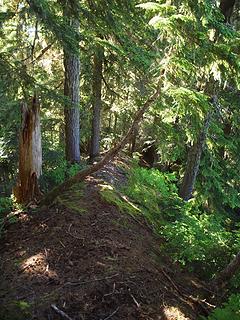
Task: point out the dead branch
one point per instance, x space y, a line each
111 90
135 301
77 283
112 314
60 312
44 50
72 235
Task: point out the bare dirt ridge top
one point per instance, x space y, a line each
83 259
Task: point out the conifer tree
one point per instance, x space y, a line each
72 92
97 75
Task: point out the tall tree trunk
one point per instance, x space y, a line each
226 274
72 91
193 162
30 154
97 101
109 155
226 7
132 144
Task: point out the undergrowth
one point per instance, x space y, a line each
229 310
6 206
57 173
199 238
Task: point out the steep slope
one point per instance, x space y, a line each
92 262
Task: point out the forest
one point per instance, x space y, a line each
119 160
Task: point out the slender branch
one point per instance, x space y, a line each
112 314
60 312
110 89
34 40
44 50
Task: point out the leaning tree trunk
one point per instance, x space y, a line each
226 274
30 154
81 175
72 92
97 101
193 162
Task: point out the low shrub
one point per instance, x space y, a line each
229 310
6 205
201 240
58 174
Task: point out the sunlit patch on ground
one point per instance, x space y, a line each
23 217
37 265
173 313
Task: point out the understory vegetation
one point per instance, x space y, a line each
229 310
199 238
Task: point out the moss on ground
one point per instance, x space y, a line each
111 195
71 199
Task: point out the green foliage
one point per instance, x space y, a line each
199 239
155 193
111 195
6 205
68 37
58 171
229 310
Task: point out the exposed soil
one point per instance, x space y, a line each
93 262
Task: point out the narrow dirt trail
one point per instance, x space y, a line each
93 262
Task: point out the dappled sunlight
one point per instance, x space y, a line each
173 313
38 265
109 190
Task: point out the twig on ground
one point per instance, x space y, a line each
62 244
199 302
110 293
60 312
171 281
69 232
135 301
77 283
112 314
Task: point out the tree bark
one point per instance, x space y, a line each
72 92
132 144
30 154
97 101
193 161
226 7
107 158
226 274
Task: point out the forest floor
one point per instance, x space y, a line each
92 262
